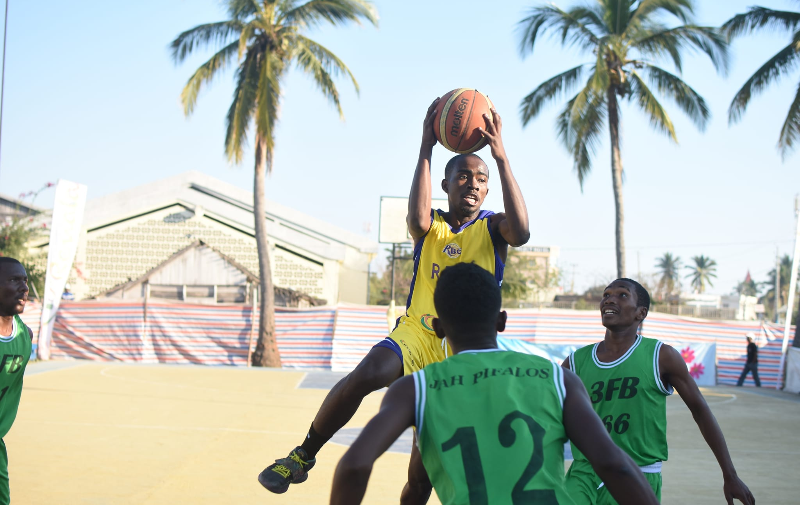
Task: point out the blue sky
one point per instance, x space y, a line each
92 96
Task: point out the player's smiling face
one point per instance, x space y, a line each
618 306
13 289
467 185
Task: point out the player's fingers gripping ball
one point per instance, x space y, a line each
459 114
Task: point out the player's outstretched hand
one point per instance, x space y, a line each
735 488
428 135
492 134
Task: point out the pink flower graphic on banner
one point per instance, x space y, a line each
697 370
687 354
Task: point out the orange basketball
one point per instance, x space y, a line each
459 113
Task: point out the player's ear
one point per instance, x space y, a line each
641 313
437 327
502 317
445 185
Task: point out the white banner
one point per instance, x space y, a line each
792 370
65 232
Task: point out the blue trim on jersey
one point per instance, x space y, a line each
482 214
390 344
418 250
499 266
417 256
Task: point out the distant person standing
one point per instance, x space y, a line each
752 363
15 350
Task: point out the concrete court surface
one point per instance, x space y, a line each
110 433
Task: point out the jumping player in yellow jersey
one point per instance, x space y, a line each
464 233
15 350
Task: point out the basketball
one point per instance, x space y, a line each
459 114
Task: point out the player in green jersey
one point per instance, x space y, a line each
15 349
629 378
491 424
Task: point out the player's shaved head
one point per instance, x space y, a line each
642 296
456 161
467 300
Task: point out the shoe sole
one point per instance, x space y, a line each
267 486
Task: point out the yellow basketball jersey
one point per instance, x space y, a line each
442 247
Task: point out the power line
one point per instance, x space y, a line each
717 244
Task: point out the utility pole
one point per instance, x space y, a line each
777 286
790 296
3 81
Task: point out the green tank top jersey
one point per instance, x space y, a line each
629 397
490 430
15 351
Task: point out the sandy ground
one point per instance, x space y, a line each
98 433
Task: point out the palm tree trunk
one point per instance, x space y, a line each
616 177
266 353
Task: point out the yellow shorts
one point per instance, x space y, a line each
415 345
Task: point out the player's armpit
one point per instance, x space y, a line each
565 363
396 414
624 479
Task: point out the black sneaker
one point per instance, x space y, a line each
292 469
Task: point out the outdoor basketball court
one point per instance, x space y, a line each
103 433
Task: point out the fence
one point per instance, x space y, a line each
338 337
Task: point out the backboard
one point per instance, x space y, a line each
392 228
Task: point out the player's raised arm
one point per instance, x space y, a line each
419 201
624 479
674 373
396 414
514 228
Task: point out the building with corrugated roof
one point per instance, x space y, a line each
132 232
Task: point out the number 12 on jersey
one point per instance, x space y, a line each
473 469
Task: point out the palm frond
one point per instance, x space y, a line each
202 35
579 127
243 107
790 131
548 90
681 9
617 15
757 18
204 74
269 94
671 41
572 26
771 71
242 9
335 12
659 119
323 66
689 101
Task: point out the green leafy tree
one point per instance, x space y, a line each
265 38
380 284
783 62
785 268
624 37
516 279
16 235
701 273
668 271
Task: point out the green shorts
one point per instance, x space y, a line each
586 488
5 492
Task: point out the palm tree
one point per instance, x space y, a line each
668 268
701 272
624 36
759 18
266 37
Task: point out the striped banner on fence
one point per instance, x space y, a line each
337 338
358 328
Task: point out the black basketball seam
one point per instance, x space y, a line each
469 117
